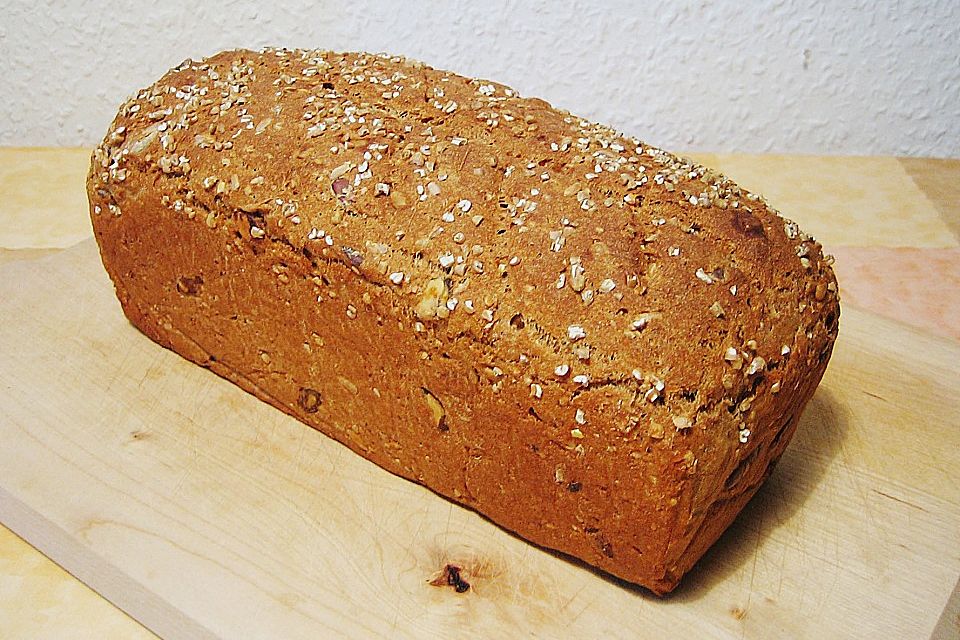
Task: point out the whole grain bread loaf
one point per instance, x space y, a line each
596 344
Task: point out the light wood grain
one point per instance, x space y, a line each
205 513
38 599
939 179
44 202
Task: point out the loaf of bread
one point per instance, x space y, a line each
596 344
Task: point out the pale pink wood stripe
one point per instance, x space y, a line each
920 287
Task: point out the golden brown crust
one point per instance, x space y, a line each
592 342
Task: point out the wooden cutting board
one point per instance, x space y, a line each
203 512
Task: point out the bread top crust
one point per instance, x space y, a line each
580 261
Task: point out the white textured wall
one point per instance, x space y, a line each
795 76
